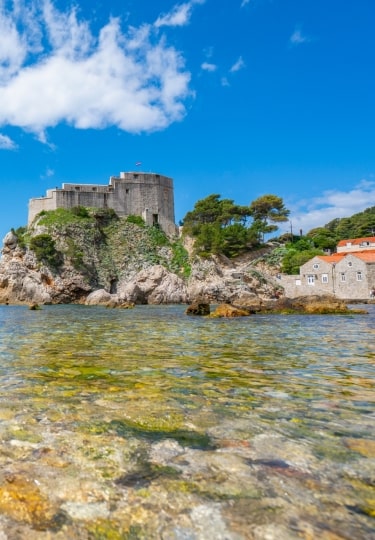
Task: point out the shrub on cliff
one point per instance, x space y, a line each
45 250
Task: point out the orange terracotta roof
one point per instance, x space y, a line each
356 241
365 256
335 258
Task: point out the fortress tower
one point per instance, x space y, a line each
148 195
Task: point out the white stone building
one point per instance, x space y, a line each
348 275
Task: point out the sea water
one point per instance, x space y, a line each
148 423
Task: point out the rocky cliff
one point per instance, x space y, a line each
96 258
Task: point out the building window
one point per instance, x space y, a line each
342 276
127 190
350 263
310 279
316 266
324 278
94 188
76 188
359 276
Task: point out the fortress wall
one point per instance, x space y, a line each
71 198
146 195
143 194
42 203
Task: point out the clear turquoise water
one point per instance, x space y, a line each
131 423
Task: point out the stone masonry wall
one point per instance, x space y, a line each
144 194
350 287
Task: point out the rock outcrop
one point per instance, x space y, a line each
198 307
24 281
154 285
304 304
226 310
119 263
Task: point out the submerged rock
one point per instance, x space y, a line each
198 307
22 500
226 310
314 304
34 307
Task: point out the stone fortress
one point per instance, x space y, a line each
148 195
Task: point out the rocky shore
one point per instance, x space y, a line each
125 267
117 272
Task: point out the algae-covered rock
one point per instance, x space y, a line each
22 500
226 310
365 447
198 307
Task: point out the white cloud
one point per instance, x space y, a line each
298 37
244 2
317 212
206 66
239 64
6 143
179 16
48 174
224 81
54 70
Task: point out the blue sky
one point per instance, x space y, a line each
235 97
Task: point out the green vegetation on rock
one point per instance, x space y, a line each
45 251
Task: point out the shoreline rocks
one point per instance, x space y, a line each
216 280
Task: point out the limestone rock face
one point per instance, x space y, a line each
220 280
24 281
10 240
153 285
19 281
99 297
116 267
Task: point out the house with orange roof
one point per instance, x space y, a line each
356 244
348 274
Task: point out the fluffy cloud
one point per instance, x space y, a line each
239 64
332 204
54 70
6 143
206 66
179 16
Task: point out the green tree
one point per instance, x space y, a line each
266 211
294 259
234 238
356 226
323 238
209 240
218 226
